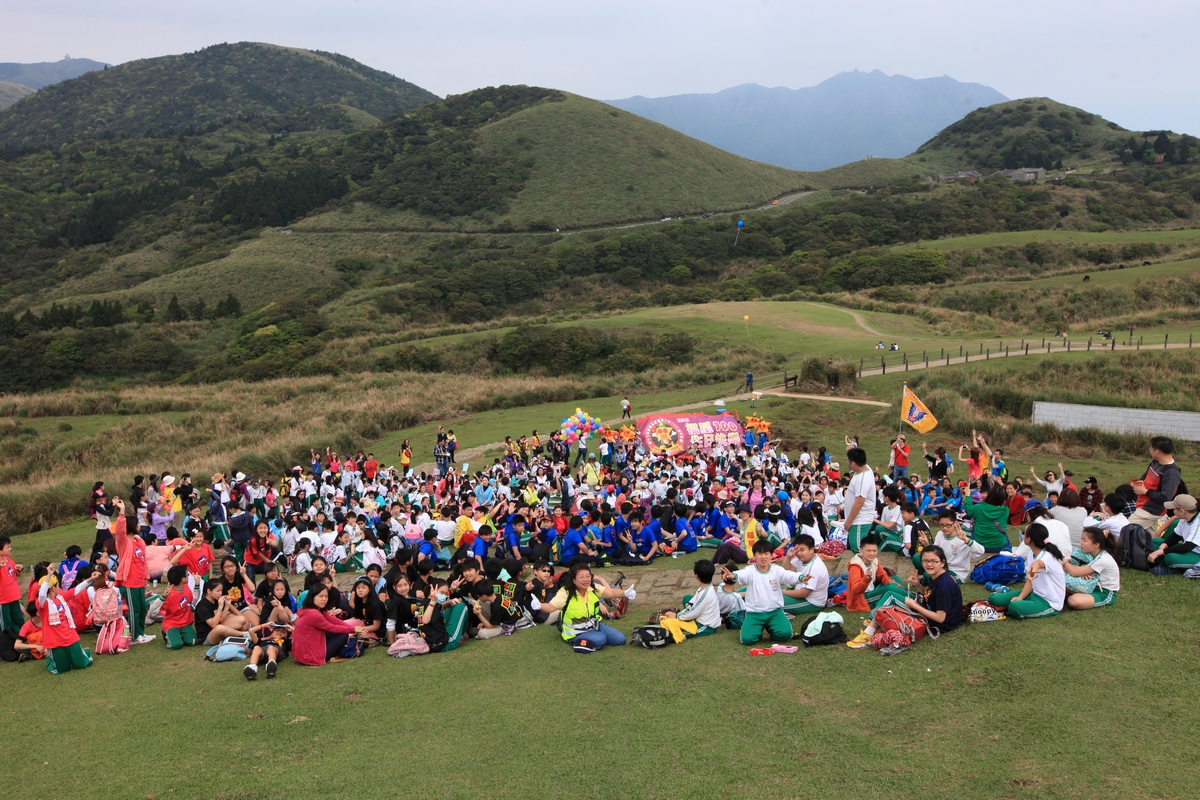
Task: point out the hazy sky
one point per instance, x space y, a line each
1125 61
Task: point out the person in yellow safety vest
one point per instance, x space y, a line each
579 601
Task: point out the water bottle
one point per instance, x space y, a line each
995 587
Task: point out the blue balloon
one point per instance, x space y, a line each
740 223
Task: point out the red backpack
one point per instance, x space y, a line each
113 638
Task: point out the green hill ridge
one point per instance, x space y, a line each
275 88
12 92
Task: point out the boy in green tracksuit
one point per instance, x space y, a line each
764 584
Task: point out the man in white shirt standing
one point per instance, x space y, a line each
860 498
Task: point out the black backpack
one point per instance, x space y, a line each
1134 546
652 637
830 633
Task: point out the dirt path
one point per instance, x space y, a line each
858 318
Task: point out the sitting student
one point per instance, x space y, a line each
764 584
812 592
701 615
70 566
686 525
957 545
401 608
272 644
943 606
1180 547
317 635
573 548
1103 567
916 531
366 607
541 587
734 548
890 524
645 546
59 637
428 551
30 642
178 625
215 616
1057 531
482 542
606 541
868 581
485 608
1045 591
807 523
431 635
1112 516
303 562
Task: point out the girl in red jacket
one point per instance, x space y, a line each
318 636
59 637
131 574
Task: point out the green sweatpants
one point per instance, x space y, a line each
135 601
11 618
776 623
889 540
65 659
1031 607
177 638
1181 560
856 533
793 605
877 595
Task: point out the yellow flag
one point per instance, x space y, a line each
915 413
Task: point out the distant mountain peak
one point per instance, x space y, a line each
846 117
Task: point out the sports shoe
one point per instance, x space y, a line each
583 648
762 651
860 641
272 668
250 672
144 639
785 648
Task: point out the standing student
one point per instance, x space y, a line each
860 498
1045 591
11 618
1100 546
132 573
764 584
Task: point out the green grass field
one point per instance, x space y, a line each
1179 237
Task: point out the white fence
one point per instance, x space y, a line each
1184 425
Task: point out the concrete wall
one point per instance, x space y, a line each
1183 425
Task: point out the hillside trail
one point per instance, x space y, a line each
858 318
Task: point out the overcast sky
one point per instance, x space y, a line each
1125 61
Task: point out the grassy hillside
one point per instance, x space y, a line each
273 88
1033 132
43 73
591 163
12 92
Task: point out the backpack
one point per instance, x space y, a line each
106 605
353 648
113 638
830 633
231 648
1000 568
652 637
982 611
893 618
1133 547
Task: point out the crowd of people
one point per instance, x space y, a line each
345 554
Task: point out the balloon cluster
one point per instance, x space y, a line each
580 425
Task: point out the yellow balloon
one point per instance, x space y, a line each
746 318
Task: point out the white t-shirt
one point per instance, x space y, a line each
1050 583
1106 569
892 514
833 501
704 608
445 530
805 458
764 590
1059 537
958 555
1112 525
814 531
818 580
862 484
303 564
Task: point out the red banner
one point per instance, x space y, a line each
675 433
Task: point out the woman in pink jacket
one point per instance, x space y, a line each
317 635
